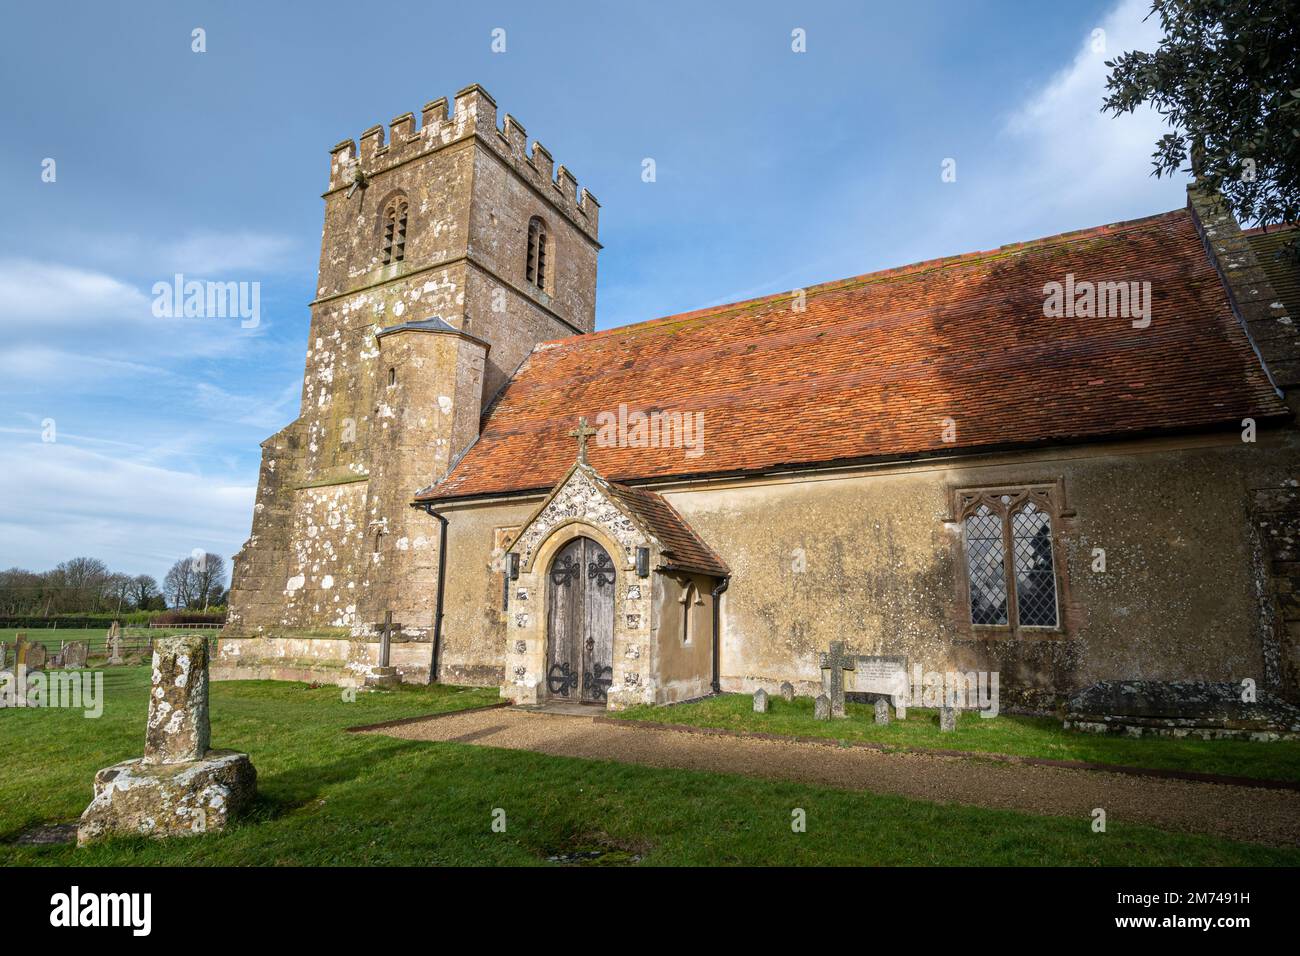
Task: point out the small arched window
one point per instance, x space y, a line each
688 613
395 231
392 377
538 252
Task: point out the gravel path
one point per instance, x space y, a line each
1239 813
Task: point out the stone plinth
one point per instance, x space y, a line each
179 787
170 799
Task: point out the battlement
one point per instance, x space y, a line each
473 113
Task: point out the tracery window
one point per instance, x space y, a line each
1010 559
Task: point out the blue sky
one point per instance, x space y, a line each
775 170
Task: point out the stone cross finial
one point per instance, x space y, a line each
178 730
582 433
386 631
836 662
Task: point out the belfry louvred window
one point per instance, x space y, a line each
538 253
1010 558
395 231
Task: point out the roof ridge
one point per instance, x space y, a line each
907 270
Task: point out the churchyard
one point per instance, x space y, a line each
329 796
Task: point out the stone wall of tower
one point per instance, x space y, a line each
334 542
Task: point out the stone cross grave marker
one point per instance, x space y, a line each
760 701
833 666
787 691
822 708
386 631
115 643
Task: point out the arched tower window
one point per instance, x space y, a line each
395 231
538 252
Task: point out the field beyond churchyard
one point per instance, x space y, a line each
331 797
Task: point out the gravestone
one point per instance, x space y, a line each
787 691
74 655
947 719
881 674
833 665
822 708
115 644
760 701
32 656
4 655
179 787
385 675
882 711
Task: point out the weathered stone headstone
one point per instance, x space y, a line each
787 691
32 656
74 655
115 644
4 655
882 710
947 719
179 787
833 666
822 707
760 701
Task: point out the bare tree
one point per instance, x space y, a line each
178 583
144 588
209 579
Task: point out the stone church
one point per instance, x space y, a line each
1068 460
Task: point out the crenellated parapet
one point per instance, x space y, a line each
473 114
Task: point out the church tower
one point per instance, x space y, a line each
449 251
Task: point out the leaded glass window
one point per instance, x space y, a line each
1010 559
1031 535
986 564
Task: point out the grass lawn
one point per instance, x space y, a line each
328 797
1023 736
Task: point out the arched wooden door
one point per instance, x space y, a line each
580 622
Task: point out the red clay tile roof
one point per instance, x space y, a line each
876 363
682 547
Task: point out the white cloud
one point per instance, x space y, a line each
59 500
199 254
84 325
1069 160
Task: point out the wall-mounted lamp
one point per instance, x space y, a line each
514 566
643 562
